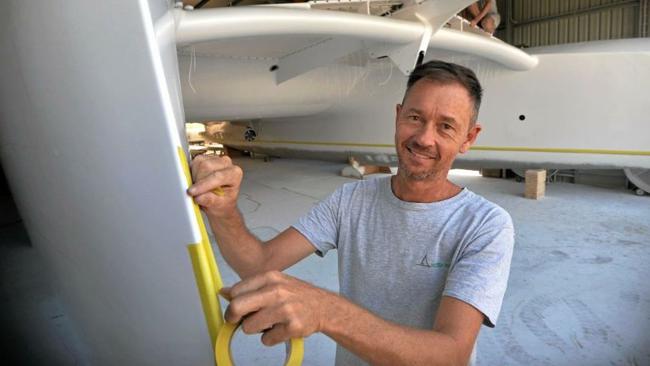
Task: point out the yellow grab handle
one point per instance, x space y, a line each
295 349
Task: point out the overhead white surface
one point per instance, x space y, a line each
489 48
581 106
268 27
235 22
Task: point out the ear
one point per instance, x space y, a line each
472 134
398 110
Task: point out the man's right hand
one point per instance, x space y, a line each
244 252
211 173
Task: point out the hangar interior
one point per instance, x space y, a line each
578 292
525 24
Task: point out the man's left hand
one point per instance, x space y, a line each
280 306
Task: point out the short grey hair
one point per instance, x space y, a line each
447 73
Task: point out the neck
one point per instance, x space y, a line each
436 188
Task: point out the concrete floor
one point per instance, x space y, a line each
578 294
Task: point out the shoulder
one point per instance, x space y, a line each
362 187
352 195
485 213
487 230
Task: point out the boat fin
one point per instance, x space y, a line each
320 54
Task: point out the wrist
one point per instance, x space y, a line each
224 218
334 312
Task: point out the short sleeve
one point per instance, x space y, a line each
321 225
479 276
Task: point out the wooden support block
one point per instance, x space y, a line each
356 170
218 149
535 183
491 173
195 151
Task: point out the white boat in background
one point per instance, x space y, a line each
94 97
333 94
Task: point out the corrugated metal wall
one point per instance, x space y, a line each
546 22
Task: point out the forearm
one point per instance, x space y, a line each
483 12
381 342
215 189
242 250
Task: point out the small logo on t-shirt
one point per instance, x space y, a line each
424 262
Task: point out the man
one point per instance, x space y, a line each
485 14
422 262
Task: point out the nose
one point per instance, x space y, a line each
426 135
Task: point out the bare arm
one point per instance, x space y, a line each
284 307
384 343
473 9
246 254
486 9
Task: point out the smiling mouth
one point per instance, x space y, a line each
418 155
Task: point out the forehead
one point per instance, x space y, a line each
452 98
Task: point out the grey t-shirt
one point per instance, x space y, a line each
397 259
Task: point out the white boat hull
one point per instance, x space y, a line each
582 106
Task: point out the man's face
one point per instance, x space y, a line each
432 127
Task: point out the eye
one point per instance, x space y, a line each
447 126
413 117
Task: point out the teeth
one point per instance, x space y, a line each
418 154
